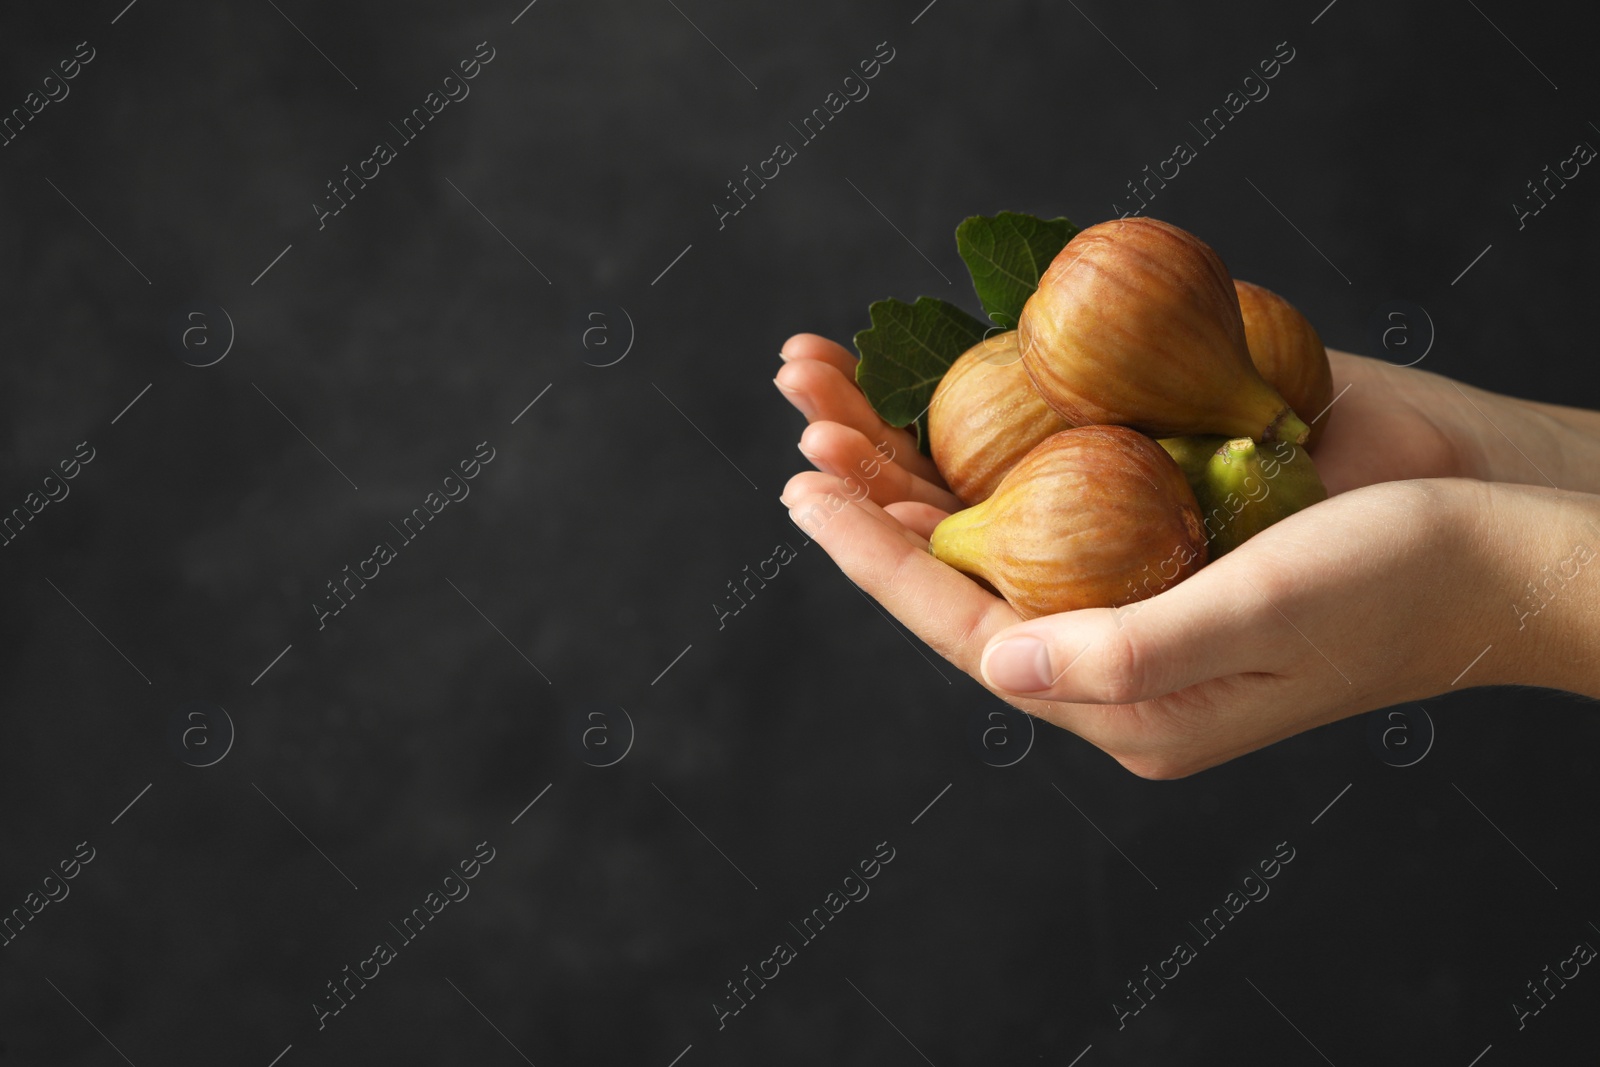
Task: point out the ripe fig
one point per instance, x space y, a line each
1242 487
985 416
1136 323
1285 348
1093 517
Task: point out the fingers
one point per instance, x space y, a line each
823 393
835 496
1216 624
1091 658
846 453
811 346
920 519
891 564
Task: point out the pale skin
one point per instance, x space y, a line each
1447 501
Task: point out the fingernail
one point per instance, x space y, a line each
800 400
810 456
799 520
1019 665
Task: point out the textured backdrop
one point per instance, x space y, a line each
223 786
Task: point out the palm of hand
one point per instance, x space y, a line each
1389 423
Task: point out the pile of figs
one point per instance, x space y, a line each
1148 415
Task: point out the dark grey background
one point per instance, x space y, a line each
809 729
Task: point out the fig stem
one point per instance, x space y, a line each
1286 427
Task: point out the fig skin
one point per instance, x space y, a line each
1242 487
1287 351
1093 517
1136 323
985 416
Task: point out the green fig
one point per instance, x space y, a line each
1092 517
1243 487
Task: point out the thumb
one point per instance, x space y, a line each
1206 627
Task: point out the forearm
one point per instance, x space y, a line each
1542 555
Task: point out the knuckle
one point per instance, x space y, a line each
962 638
1118 668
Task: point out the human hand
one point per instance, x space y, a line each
1402 422
1363 601
1391 423
1374 597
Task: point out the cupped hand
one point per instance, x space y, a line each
1387 423
1328 613
1363 601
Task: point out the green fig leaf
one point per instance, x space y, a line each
1006 255
906 352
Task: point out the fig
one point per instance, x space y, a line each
1136 323
985 416
1285 348
1242 487
1092 517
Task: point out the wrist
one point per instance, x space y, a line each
1574 437
1507 439
1540 563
